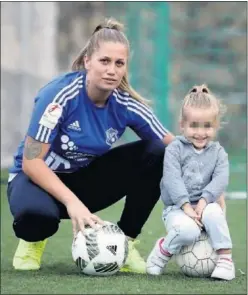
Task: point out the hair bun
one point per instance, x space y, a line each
199 88
98 28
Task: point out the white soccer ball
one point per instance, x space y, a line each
100 252
198 259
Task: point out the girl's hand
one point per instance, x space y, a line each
201 205
188 209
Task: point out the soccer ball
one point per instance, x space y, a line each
100 252
198 259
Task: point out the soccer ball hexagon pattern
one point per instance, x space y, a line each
197 259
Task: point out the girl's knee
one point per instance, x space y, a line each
212 211
189 234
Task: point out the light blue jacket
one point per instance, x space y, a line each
188 175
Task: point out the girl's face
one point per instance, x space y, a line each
199 126
107 66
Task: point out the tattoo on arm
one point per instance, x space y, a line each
32 149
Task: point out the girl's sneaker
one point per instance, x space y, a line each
157 260
224 269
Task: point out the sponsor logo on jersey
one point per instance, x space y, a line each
51 115
53 108
67 144
75 126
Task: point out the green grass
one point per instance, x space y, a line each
59 275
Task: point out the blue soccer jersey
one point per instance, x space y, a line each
79 131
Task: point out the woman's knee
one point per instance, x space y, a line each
33 227
152 158
36 214
155 147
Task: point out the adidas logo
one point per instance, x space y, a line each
112 249
75 126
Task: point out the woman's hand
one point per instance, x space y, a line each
188 209
80 216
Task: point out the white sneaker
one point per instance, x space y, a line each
157 261
224 270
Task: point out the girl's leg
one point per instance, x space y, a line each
182 230
221 201
216 226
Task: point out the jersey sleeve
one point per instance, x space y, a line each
143 121
50 110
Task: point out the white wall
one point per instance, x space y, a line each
28 60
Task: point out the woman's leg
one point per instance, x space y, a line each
36 214
133 170
36 217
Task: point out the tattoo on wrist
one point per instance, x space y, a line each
32 149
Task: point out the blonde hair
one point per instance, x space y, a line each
109 31
200 96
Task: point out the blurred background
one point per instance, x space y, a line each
174 45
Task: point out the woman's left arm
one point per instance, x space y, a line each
145 124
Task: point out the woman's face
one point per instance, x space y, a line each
107 66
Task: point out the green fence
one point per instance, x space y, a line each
147 27
174 45
209 41
177 45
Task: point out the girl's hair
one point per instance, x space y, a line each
109 31
201 97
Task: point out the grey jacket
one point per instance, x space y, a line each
188 175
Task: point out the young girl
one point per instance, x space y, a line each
195 174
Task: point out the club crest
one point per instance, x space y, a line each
111 136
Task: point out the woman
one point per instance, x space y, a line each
65 167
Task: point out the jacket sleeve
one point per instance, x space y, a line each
172 180
220 178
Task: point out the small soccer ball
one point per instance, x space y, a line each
198 259
100 252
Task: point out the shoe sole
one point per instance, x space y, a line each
221 278
133 271
26 269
